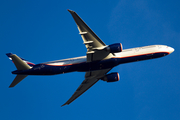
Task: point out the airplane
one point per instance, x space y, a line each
99 60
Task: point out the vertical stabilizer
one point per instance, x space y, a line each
26 61
19 63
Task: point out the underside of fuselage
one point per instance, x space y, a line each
45 69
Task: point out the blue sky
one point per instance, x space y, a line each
43 30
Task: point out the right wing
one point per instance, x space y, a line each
90 79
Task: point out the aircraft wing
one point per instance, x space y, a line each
95 46
90 79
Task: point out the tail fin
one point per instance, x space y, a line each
29 63
20 64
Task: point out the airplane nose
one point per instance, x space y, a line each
171 49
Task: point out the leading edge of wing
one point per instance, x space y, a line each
90 79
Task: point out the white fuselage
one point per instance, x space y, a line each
126 53
80 63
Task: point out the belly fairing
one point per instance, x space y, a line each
98 65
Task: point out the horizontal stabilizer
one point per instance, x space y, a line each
17 79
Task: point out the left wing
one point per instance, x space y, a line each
90 39
90 79
95 46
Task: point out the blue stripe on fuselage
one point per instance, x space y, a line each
142 57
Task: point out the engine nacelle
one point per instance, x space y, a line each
114 48
112 77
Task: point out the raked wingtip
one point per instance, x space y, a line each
71 11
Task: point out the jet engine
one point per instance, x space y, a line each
112 77
114 48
